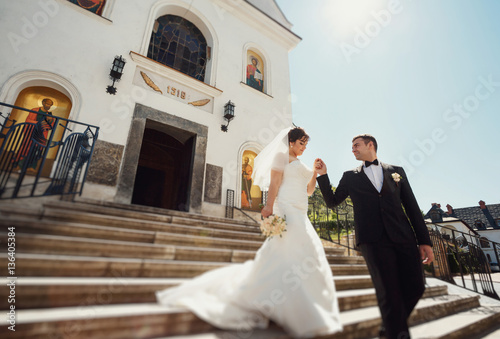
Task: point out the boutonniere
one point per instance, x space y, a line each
396 177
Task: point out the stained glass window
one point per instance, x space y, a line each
178 43
94 6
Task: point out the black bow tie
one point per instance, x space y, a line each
369 163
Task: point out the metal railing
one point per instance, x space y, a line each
230 207
230 204
464 259
335 225
460 258
49 157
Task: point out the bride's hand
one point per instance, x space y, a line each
266 211
320 166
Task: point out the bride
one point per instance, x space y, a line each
289 281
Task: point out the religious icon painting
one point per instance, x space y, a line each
52 104
255 71
94 6
251 196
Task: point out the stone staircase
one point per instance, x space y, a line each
89 269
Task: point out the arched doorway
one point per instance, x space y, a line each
164 169
251 195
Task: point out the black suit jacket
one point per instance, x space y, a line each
374 211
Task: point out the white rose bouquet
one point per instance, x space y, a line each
273 225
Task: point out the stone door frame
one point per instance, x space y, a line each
126 178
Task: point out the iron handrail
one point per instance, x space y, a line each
343 223
457 255
466 254
24 150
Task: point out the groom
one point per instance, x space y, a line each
390 231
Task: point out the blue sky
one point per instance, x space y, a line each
422 76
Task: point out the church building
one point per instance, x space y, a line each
184 93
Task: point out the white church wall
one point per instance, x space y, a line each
493 235
56 39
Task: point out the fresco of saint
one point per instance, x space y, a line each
255 77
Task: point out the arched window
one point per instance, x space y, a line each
485 243
94 6
255 71
178 43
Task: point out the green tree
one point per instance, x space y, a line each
320 212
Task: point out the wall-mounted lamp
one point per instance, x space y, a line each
228 114
116 73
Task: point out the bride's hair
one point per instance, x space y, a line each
297 133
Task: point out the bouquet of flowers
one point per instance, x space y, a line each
273 225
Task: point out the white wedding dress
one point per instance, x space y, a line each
289 281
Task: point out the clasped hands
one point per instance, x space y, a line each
319 166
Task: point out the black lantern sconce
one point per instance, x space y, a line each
116 73
228 114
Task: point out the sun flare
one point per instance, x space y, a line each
343 17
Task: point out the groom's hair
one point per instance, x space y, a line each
297 133
367 138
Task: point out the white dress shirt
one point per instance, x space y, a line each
375 174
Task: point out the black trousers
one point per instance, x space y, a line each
396 271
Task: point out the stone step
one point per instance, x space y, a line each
162 211
35 208
46 292
74 229
103 322
121 222
153 321
361 298
66 292
90 269
72 246
45 265
63 245
60 214
180 218
467 324
426 310
493 333
121 234
273 332
355 282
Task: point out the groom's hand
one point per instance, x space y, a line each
426 254
320 166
